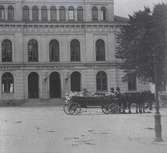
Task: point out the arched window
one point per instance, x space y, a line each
75 50
62 13
53 13
101 81
75 81
103 13
132 84
44 13
54 51
7 83
55 85
6 51
71 13
10 13
33 51
35 13
26 13
100 50
80 14
2 13
95 14
33 85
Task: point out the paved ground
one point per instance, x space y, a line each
49 130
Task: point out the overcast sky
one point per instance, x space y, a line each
125 7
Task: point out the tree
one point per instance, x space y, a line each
143 41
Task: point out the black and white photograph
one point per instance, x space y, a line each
83 76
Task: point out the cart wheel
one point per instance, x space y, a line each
66 108
74 109
105 109
113 108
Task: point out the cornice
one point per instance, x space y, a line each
57 65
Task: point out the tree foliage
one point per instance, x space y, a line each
142 44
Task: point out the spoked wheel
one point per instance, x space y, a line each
105 109
74 109
113 108
66 108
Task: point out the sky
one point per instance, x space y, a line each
125 7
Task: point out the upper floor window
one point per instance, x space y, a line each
53 13
7 83
101 81
54 51
95 14
6 51
103 13
10 13
33 51
100 50
2 13
71 13
75 50
62 13
80 14
44 13
132 84
35 13
26 13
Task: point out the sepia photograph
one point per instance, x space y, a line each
83 76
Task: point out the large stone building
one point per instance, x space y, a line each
50 47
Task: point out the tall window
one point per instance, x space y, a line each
54 51
33 51
7 83
2 13
53 13
35 13
26 13
75 50
101 81
80 14
100 50
76 81
44 13
6 51
62 13
132 84
103 13
71 13
95 14
10 13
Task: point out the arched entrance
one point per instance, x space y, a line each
33 85
55 85
75 81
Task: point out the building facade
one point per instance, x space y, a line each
50 47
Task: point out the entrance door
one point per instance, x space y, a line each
75 81
33 85
55 85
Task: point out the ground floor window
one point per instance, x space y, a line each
75 81
101 81
33 85
7 83
55 85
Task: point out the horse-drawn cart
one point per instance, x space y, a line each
108 104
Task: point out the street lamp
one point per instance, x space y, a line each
157 115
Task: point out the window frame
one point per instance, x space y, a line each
7 83
75 50
33 51
7 50
100 50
